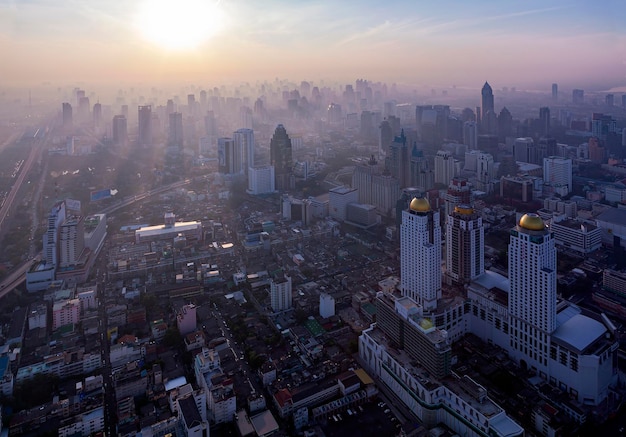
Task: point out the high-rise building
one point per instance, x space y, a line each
557 175
226 156
97 115
487 100
280 292
444 167
175 130
532 291
485 172
398 161
51 237
544 121
420 253
71 241
459 193
261 180
244 141
338 200
144 138
623 101
385 137
281 158
120 130
420 173
67 116
505 126
522 149
470 135
578 96
465 245
609 100
555 92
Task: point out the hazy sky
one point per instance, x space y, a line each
440 43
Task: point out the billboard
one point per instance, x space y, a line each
100 195
72 205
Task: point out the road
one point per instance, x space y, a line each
10 282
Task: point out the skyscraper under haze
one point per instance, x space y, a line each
120 130
67 116
175 130
544 119
244 141
487 100
420 253
144 137
555 92
281 158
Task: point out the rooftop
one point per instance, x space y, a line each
579 332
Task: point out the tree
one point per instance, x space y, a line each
172 338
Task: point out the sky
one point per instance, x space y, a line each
527 44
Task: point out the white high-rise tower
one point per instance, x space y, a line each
244 141
420 254
532 295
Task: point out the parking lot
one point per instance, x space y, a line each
372 421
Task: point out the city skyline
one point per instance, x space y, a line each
526 45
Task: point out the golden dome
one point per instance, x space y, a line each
419 204
464 209
532 222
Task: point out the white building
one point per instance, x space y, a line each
465 245
420 254
261 180
280 293
444 167
338 200
51 237
485 172
532 295
581 237
244 142
557 175
327 305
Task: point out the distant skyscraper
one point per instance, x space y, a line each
578 96
624 101
71 241
420 174
555 92
544 120
609 100
532 293
97 115
385 137
144 138
470 135
120 130
557 175
226 156
522 149
444 167
487 100
465 245
68 120
399 160
420 254
281 158
459 193
175 130
169 107
244 141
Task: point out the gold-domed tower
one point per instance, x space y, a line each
420 204
532 222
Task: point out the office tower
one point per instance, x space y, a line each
97 115
623 101
522 149
420 254
244 142
226 160
175 130
544 121
532 293
602 125
505 125
459 192
465 245
487 100
120 130
557 175
83 109
555 92
366 128
191 104
68 121
444 167
280 292
281 158
548 146
485 172
385 137
470 135
398 161
609 100
51 237
245 117
334 114
420 173
432 123
144 138
578 96
489 123
124 111
169 107
71 241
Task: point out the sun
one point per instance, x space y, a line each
179 24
